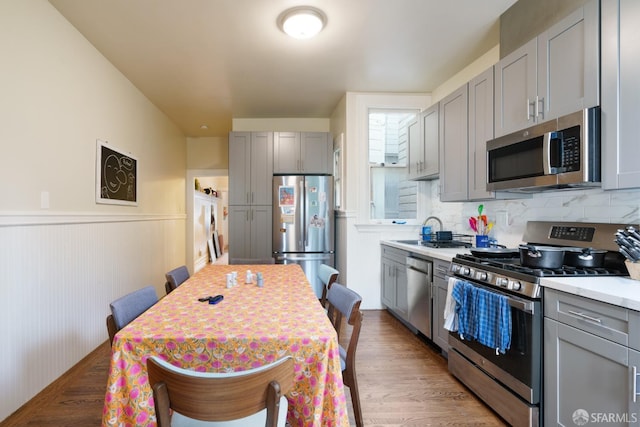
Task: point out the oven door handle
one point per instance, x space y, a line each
526 306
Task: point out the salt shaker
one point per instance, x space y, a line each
229 280
248 278
260 280
235 277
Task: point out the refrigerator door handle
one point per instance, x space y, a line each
303 212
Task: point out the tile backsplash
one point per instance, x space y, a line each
592 205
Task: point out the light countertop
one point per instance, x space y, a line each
620 291
446 254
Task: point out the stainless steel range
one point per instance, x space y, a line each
510 383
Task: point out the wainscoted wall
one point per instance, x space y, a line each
58 275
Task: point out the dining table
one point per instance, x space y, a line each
249 327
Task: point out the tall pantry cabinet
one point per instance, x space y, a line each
250 204
620 94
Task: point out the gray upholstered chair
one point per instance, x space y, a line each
251 398
343 302
252 261
327 275
128 307
176 277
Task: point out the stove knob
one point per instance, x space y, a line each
464 271
455 268
481 275
501 281
515 285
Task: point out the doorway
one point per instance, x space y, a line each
206 217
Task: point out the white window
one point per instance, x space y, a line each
392 196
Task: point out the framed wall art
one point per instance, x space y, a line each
116 176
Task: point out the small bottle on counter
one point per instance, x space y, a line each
260 280
249 277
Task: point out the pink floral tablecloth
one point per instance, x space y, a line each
251 326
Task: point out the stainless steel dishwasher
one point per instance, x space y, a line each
419 278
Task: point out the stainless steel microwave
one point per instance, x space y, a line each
559 153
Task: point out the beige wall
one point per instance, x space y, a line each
208 153
60 267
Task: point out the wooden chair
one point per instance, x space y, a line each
343 302
252 261
327 276
176 277
255 397
128 307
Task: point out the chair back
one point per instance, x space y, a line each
252 261
176 277
327 275
190 395
128 307
344 303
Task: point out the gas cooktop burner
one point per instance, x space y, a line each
513 265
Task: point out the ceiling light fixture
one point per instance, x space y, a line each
302 22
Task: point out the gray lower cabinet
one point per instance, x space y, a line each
394 281
590 367
440 284
250 231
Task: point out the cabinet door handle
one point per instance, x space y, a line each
540 107
634 379
529 105
593 319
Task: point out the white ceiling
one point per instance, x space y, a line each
208 61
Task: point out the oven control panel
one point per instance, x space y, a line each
578 234
496 280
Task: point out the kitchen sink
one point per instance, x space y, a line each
436 243
409 242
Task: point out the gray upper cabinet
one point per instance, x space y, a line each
554 74
423 145
430 134
480 131
416 148
453 145
568 64
250 168
515 87
620 94
302 153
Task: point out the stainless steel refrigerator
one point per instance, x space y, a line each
303 223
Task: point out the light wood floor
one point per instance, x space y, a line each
402 381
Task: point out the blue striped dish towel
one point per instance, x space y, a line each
493 320
463 294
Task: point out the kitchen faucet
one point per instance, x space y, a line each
434 218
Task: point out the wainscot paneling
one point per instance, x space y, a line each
58 274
